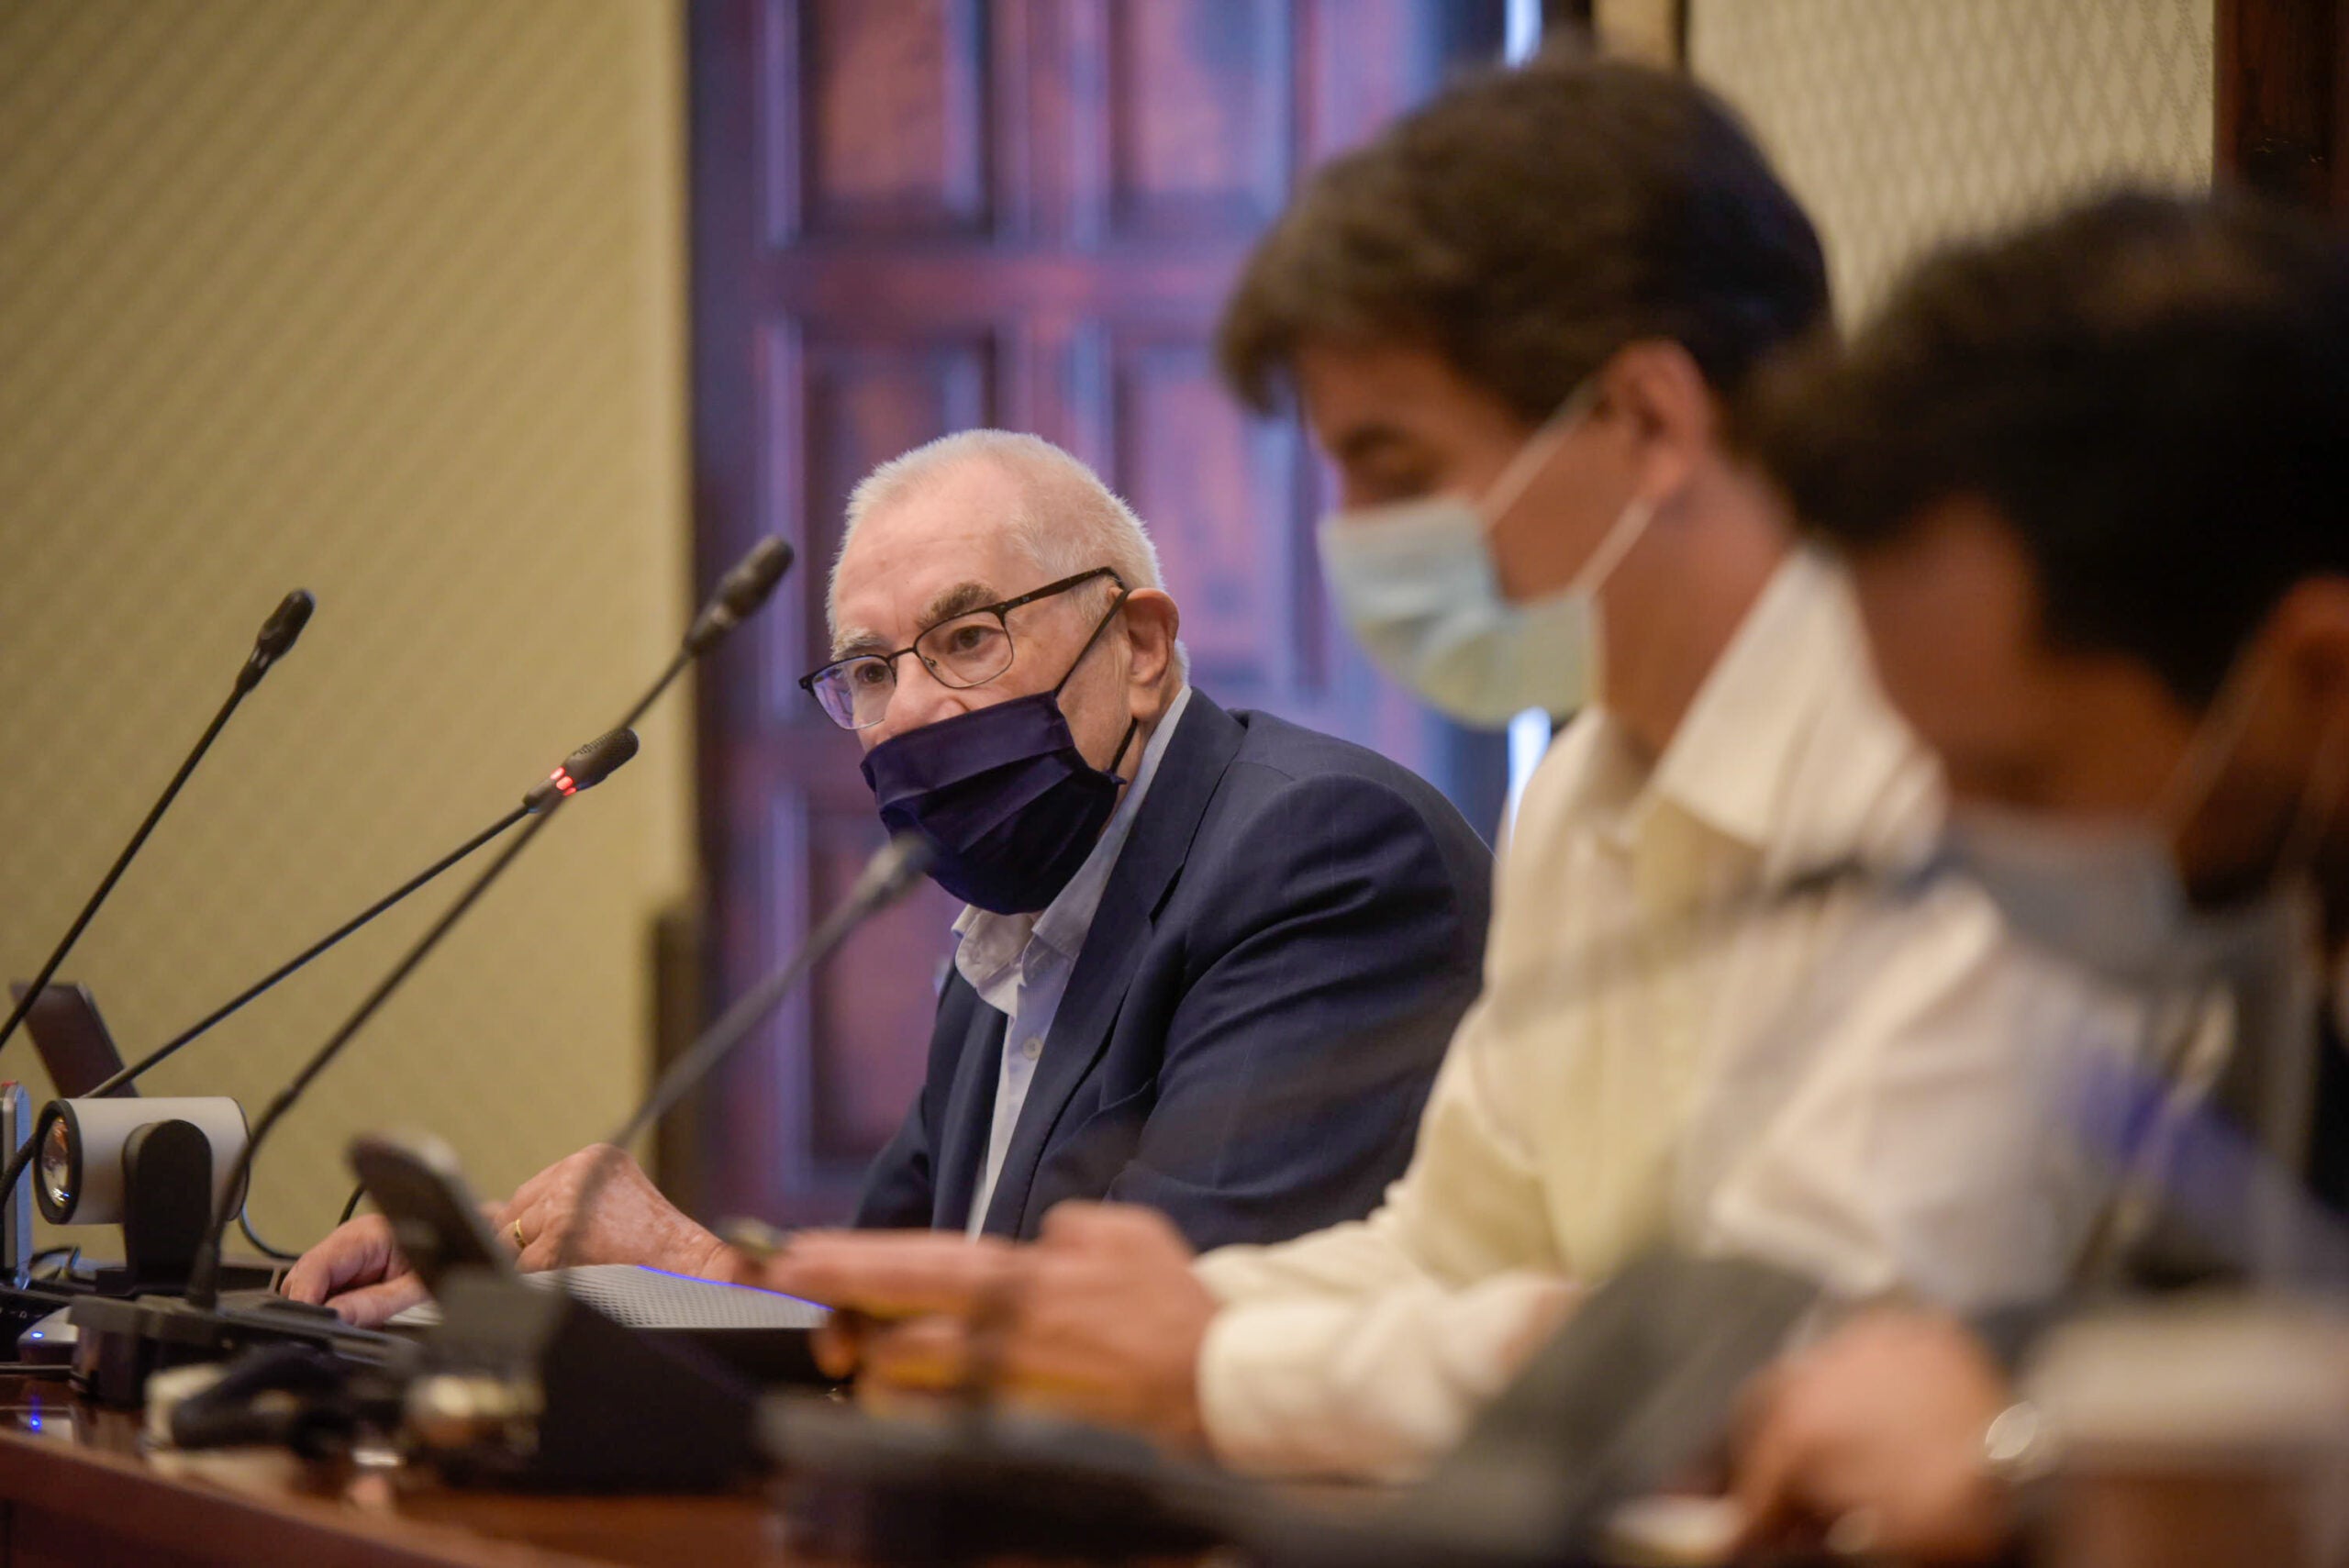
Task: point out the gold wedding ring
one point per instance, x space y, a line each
520 1242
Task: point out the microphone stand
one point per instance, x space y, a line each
163 1052
888 877
740 594
585 768
277 636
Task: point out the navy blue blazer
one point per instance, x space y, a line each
1251 1027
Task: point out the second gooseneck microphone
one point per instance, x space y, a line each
586 767
275 639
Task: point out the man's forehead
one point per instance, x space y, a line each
948 602
945 548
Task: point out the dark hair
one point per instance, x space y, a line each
2152 390
1526 224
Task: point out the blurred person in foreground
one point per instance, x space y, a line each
2093 483
1513 321
1209 959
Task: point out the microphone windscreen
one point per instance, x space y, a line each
276 637
284 624
600 757
755 577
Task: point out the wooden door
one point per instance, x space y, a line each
912 216
2283 99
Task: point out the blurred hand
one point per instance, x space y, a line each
359 1271
1875 1434
633 1223
1100 1317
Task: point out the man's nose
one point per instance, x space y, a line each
918 699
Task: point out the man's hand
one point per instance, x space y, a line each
357 1270
633 1223
360 1272
1101 1318
1875 1433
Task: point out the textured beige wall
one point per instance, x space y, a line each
385 299
1903 123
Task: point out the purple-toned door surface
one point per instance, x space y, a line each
916 216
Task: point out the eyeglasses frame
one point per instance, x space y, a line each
1001 610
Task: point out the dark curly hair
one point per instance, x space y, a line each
1526 224
2152 390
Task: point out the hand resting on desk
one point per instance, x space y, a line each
359 1271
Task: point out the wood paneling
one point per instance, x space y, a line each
1199 107
1230 573
890 138
2283 98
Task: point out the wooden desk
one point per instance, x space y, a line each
76 1489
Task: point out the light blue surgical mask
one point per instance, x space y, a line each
2109 898
1414 581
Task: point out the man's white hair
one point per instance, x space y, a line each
1065 520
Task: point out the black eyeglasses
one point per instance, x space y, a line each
963 650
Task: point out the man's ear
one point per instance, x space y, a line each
1152 622
1667 410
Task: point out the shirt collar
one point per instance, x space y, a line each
1731 759
993 946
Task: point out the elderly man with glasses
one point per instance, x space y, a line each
1209 961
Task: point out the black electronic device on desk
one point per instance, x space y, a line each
528 1384
117 1159
138 1170
121 1343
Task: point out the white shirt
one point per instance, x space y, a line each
1020 965
1849 1084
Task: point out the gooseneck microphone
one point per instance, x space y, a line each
743 591
560 785
220 1014
582 770
893 871
276 639
739 593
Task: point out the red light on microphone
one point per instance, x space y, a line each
564 781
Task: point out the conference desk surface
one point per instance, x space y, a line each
75 1488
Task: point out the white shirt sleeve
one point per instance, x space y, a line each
1371 1386
1363 1349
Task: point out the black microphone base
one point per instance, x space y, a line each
536 1390
121 1343
972 1486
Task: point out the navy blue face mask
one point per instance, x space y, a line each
1010 805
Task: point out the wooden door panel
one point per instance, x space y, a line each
884 989
891 121
921 216
1233 480
867 399
1199 106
